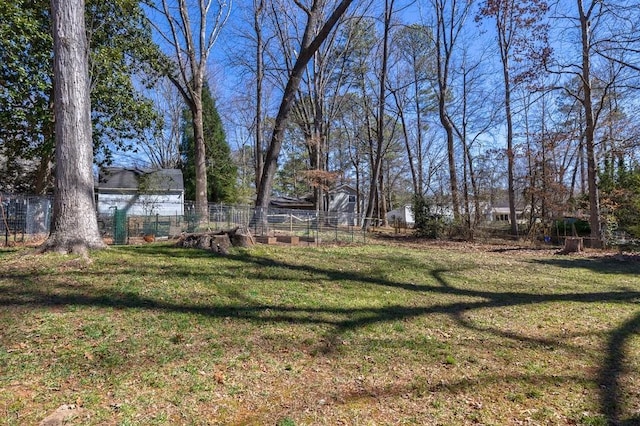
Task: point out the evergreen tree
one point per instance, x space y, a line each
620 192
221 170
119 47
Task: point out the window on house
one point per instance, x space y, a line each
352 198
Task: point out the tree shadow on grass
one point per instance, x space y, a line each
610 373
5 252
344 320
166 250
609 376
612 264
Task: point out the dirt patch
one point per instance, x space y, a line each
62 415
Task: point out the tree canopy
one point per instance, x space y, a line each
121 52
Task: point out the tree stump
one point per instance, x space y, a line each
241 237
220 243
203 242
217 242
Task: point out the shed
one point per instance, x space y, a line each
140 192
343 199
343 205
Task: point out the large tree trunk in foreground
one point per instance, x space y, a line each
74 227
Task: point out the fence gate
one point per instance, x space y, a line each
120 234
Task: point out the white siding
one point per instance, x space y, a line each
403 214
142 204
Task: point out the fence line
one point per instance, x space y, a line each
24 218
308 225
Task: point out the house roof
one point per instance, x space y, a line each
125 179
292 203
343 188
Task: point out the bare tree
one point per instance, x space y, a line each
315 33
357 42
376 206
606 47
518 29
161 145
470 125
191 32
74 224
585 16
450 16
259 8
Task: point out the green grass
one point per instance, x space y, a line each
376 334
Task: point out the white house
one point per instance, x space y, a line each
401 215
499 213
140 192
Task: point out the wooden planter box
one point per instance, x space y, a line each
266 240
294 240
573 245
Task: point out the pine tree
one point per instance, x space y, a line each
221 170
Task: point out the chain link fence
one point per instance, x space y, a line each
23 218
27 218
307 226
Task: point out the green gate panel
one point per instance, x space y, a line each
120 227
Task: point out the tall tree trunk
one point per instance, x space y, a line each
510 152
451 159
190 31
476 190
202 205
419 136
74 223
417 188
592 168
376 197
43 174
319 131
382 203
505 34
259 155
447 30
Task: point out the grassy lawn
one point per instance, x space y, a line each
359 335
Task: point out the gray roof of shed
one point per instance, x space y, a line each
162 180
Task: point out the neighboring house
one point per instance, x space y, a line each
499 213
140 192
341 210
401 216
291 203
